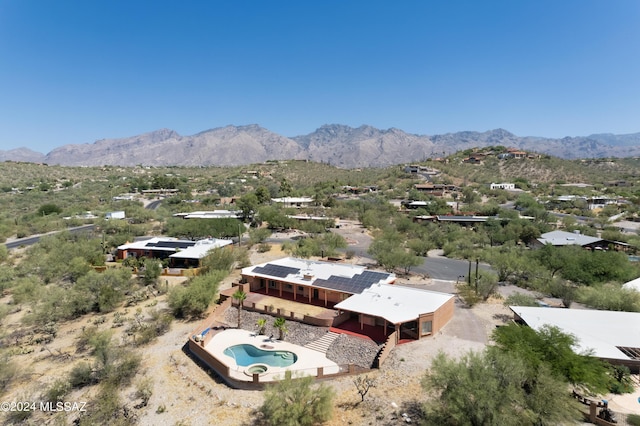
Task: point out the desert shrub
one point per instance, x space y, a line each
82 375
194 299
4 311
479 290
633 419
19 417
609 297
264 247
124 366
521 299
258 235
26 290
106 408
145 331
144 390
57 391
8 372
296 402
47 209
218 259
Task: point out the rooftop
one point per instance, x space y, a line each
602 332
181 248
564 238
396 304
334 276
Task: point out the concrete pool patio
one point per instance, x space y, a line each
211 349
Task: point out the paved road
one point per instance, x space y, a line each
35 238
437 267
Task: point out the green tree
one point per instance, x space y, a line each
493 389
285 188
240 296
152 271
263 194
248 205
262 325
47 209
296 402
551 347
281 325
194 299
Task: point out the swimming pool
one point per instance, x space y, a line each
246 355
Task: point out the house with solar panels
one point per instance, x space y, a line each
181 253
370 299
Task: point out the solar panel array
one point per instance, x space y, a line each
354 285
275 270
172 244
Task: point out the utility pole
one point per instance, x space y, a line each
477 277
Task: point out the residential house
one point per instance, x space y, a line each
181 253
563 238
297 202
505 186
358 294
596 331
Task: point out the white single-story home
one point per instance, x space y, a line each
610 335
182 253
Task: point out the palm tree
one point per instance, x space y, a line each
261 323
281 324
240 296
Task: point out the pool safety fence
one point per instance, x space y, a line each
244 378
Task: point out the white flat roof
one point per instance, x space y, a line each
564 238
195 251
210 214
292 200
596 331
316 269
145 244
396 304
632 285
201 249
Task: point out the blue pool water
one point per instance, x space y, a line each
245 355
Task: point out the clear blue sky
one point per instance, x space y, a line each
79 71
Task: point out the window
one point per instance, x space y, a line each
427 327
272 284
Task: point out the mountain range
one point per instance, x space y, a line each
339 145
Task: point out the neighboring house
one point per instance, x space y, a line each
516 153
297 202
601 202
330 221
598 332
564 238
357 293
181 253
632 285
436 189
408 204
505 186
115 215
211 214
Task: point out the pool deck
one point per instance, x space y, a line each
307 364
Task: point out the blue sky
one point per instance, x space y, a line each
79 71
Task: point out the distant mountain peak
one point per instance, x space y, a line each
337 144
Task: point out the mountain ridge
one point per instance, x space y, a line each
337 144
